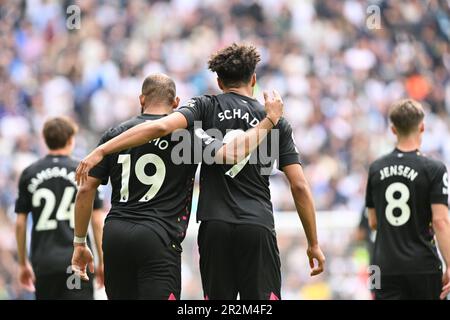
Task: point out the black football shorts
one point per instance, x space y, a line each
139 264
63 287
409 287
238 259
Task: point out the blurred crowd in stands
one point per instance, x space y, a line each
337 72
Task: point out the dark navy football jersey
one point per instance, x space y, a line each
401 187
47 189
150 184
239 193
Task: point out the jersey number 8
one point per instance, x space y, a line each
401 204
155 181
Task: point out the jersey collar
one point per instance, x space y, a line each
397 150
151 116
56 156
244 97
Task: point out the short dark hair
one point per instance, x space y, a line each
406 115
235 64
58 131
159 88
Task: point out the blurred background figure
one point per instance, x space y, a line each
336 72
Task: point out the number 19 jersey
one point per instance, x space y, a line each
148 187
401 187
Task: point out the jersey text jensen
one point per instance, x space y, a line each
398 170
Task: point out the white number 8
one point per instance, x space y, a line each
400 203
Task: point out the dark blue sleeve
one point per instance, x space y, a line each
23 202
101 171
369 199
439 184
288 150
195 110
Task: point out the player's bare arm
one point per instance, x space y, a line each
305 208
26 274
98 221
372 216
145 132
243 145
134 137
82 255
441 226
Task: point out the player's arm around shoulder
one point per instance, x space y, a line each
241 146
133 137
304 203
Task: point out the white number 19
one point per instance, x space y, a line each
155 181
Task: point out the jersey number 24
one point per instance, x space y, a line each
65 209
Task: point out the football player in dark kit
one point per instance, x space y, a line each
407 199
47 189
151 200
237 242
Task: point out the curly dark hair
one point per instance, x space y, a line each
235 64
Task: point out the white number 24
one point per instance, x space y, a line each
65 210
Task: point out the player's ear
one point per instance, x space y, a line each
422 127
253 81
220 84
71 143
176 102
142 100
394 130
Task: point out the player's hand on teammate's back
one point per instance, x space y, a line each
315 253
81 259
90 161
273 106
26 277
445 284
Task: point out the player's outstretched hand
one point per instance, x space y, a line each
87 164
26 277
445 284
273 106
81 259
315 253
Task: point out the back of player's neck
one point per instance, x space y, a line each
157 110
243 91
59 153
408 145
